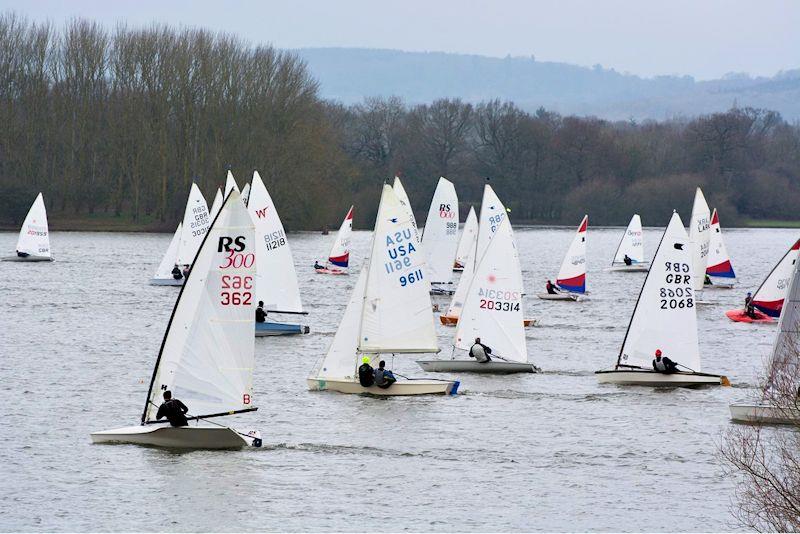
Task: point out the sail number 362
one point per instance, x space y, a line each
234 296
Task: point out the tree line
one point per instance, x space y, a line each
118 123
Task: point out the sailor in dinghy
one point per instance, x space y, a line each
33 243
664 319
467 241
339 257
719 272
629 256
207 355
571 278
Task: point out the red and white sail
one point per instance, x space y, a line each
572 275
770 295
719 268
339 258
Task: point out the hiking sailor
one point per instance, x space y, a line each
662 364
480 352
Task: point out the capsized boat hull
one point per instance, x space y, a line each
633 268
185 437
739 316
563 296
766 414
270 328
166 282
449 320
29 258
331 271
494 367
645 377
399 388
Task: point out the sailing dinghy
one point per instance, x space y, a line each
665 318
163 276
719 270
632 246
33 243
700 235
493 311
389 311
572 275
440 237
467 241
768 298
277 286
206 357
339 257
779 404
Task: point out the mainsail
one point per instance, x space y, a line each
700 234
168 261
195 225
770 294
631 244
216 205
572 274
339 256
784 362
469 238
440 236
34 237
719 263
492 214
230 184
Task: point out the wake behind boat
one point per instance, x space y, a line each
33 243
664 321
207 356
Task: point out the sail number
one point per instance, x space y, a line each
237 260
236 298
678 293
410 278
499 306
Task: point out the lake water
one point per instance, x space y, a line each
550 451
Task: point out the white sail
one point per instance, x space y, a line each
493 212
339 257
34 237
164 270
216 205
341 360
719 266
784 363
440 236
195 225
770 294
400 191
631 244
246 193
572 274
230 184
493 309
277 278
457 302
700 234
397 315
468 239
665 316
206 358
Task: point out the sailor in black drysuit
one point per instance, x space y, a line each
384 377
480 352
318 266
662 364
551 288
174 410
627 260
366 374
261 315
176 273
749 307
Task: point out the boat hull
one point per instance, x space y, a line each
756 413
185 437
494 367
439 290
634 268
716 284
28 258
280 329
448 320
400 388
738 316
564 296
166 282
646 377
331 271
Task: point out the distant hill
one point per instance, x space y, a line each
350 74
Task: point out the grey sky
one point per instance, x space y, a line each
705 39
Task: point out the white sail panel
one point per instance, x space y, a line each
339 256
493 309
700 234
168 261
468 239
34 237
631 244
246 193
770 294
397 314
440 236
784 363
719 262
492 214
207 358
195 225
572 274
457 302
400 191
277 278
216 205
665 316
230 184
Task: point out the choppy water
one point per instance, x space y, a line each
551 451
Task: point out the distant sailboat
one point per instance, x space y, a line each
440 237
493 311
700 235
572 274
719 270
33 243
665 318
206 358
339 257
468 241
768 298
163 276
389 311
631 246
277 277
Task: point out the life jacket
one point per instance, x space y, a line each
366 375
261 316
477 352
660 366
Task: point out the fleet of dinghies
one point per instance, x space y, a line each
338 260
33 243
571 278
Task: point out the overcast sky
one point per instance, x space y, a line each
705 39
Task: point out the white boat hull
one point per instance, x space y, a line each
466 366
766 414
633 268
647 377
399 388
185 437
29 258
719 285
166 282
564 296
